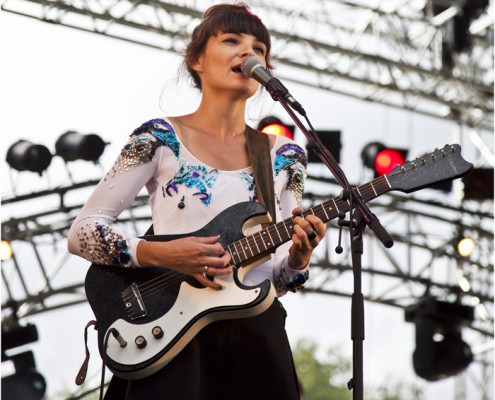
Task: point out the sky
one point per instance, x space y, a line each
55 79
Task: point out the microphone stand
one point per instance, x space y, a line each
358 219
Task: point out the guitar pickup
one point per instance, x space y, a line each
133 302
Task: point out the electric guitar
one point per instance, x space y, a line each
146 316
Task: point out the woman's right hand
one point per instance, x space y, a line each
190 255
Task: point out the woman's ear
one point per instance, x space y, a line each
197 65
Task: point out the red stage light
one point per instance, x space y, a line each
381 159
387 159
278 129
275 126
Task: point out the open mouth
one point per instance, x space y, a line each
237 69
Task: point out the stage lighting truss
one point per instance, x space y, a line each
397 53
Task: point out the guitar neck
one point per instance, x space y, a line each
268 239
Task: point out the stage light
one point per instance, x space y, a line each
440 351
26 156
18 335
26 383
381 159
275 126
73 146
478 184
465 246
5 250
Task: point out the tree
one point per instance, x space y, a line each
321 380
326 379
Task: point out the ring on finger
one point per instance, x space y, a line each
312 235
205 271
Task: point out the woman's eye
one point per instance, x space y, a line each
231 40
260 50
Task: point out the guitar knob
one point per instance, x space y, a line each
157 332
140 342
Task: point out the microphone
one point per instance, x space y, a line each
252 68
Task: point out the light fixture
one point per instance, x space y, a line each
382 159
5 250
73 146
275 126
26 156
26 383
440 351
465 246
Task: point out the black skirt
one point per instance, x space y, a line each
237 359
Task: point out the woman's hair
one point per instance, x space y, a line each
225 18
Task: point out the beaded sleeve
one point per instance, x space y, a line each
92 235
289 167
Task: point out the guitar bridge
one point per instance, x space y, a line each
134 303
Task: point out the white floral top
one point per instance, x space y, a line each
185 194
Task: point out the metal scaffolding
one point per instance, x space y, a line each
397 53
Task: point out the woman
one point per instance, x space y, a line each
195 166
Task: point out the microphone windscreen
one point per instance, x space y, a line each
249 64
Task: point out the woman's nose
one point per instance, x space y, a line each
247 49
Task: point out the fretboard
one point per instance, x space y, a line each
268 239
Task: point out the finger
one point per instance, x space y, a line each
207 282
215 261
207 239
304 224
299 237
317 224
213 271
313 235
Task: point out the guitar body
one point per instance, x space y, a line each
137 301
158 311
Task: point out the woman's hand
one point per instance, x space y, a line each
194 256
308 232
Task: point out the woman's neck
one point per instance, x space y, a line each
220 117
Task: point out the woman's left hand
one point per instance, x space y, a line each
308 232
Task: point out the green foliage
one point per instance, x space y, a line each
321 380
396 390
326 379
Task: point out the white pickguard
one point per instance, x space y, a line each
190 303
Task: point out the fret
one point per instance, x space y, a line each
270 236
359 192
263 239
278 233
288 233
325 211
248 246
233 255
336 206
239 244
371 184
256 243
388 183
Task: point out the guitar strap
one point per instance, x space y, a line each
258 145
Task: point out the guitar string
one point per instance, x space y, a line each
164 281
366 190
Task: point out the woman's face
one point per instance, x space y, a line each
219 67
